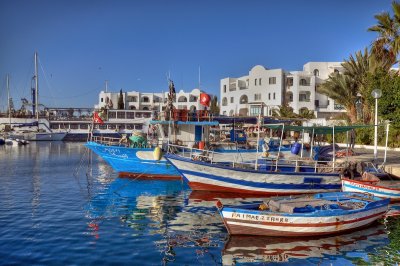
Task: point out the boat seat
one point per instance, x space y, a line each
289 205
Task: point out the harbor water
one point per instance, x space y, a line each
62 205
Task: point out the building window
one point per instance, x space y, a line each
336 71
112 115
247 83
259 81
224 88
269 96
257 97
274 96
272 80
290 81
145 99
224 101
182 99
255 82
303 82
316 72
231 99
121 115
243 99
130 115
255 110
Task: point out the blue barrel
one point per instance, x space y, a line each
296 148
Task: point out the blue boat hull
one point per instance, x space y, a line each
133 161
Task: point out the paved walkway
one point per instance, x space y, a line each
392 164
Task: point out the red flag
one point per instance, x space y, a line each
205 99
97 118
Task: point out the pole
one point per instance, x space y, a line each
36 88
8 97
376 130
258 139
386 145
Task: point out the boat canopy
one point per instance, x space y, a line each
249 120
316 129
196 123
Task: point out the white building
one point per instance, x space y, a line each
263 90
134 100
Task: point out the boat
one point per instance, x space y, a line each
270 175
24 130
304 250
319 214
371 183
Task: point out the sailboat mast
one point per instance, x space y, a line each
36 88
8 98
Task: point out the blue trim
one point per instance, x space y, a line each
372 191
340 196
217 165
308 186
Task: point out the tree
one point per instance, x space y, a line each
284 111
343 89
214 108
121 101
387 46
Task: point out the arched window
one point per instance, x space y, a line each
336 71
224 101
303 82
316 72
243 99
182 99
133 107
231 112
145 108
145 99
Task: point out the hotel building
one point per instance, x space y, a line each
263 90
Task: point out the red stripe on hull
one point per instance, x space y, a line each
240 230
368 183
149 177
207 187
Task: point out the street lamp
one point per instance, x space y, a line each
377 93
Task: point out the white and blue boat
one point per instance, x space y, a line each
146 160
320 214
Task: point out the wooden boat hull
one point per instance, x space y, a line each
247 221
137 161
210 177
368 187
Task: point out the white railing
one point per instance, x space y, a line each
239 160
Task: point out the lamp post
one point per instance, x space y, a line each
377 93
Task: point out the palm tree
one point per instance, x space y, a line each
284 111
387 46
343 90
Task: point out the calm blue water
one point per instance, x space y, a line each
60 204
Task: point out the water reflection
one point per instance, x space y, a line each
241 249
182 223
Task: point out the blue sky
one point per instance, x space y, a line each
134 44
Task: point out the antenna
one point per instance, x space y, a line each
199 78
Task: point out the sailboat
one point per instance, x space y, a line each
39 134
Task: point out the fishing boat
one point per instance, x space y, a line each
320 214
271 175
371 183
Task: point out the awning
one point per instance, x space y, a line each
316 129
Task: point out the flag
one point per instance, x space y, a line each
97 119
205 99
